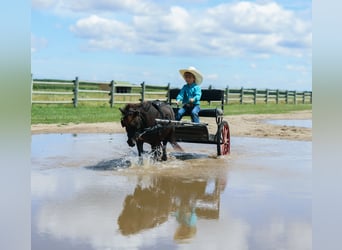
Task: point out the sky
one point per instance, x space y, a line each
251 44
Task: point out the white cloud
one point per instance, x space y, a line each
253 65
43 4
65 7
43 185
38 43
95 27
211 77
224 30
298 68
129 6
177 18
290 235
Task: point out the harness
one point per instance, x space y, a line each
157 105
157 127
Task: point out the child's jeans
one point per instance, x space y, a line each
189 110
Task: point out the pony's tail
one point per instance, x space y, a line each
176 146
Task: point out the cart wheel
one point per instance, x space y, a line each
223 139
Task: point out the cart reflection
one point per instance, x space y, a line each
171 198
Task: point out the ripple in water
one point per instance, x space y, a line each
175 159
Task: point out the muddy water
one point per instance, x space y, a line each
90 192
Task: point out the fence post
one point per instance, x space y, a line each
303 100
168 93
277 97
287 96
31 87
295 97
255 96
311 97
227 94
111 93
241 95
142 91
210 87
266 96
75 99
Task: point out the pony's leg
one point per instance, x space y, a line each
140 147
140 150
164 156
156 152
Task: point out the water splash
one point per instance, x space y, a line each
148 161
113 164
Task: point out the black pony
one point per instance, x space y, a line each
139 121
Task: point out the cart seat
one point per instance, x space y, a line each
208 95
210 112
205 112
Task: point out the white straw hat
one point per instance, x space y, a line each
195 72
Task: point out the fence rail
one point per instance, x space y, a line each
48 91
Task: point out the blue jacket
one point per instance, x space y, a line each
190 91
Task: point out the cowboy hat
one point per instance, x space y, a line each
195 72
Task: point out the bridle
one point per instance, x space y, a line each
133 132
142 127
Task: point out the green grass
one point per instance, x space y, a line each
62 114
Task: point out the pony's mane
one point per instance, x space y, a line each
137 106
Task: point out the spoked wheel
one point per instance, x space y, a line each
223 139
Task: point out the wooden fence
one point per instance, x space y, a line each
47 91
277 96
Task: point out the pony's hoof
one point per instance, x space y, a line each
140 161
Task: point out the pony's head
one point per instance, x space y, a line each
131 120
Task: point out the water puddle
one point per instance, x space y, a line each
90 192
295 123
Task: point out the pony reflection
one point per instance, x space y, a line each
170 197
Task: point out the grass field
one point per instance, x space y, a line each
62 114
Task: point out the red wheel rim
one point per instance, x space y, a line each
225 140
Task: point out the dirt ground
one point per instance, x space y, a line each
240 125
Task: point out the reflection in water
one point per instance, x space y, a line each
188 156
187 223
186 199
267 204
99 209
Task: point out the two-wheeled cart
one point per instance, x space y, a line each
199 132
